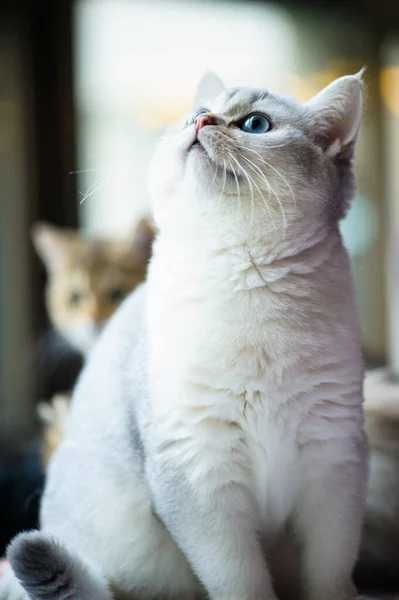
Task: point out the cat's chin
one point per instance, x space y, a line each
199 162
197 149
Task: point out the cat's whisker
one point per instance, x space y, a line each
231 167
93 190
264 199
271 166
263 177
249 183
266 205
82 171
215 171
236 178
224 176
266 147
214 177
251 179
279 174
284 180
89 191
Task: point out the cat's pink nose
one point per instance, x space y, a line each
204 119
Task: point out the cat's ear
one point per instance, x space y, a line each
143 238
336 114
49 243
208 88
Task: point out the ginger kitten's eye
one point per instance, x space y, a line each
116 294
191 118
75 298
255 123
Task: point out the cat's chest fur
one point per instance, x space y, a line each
238 374
223 400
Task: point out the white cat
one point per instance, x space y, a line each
216 444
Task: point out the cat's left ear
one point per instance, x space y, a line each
336 114
208 88
50 244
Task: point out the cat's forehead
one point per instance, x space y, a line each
236 102
90 254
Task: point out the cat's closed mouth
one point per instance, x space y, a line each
198 147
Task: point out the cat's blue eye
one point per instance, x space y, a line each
191 118
255 123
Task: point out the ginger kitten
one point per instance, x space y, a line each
87 281
89 278
216 446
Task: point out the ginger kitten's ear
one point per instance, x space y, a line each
336 114
208 88
143 238
49 242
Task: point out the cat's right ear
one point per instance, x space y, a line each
337 113
208 88
49 244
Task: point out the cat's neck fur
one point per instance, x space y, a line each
253 259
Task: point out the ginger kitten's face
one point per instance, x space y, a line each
88 279
258 160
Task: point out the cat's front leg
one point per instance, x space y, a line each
330 513
209 513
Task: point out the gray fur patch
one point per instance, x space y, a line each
41 565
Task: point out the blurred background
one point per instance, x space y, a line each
87 86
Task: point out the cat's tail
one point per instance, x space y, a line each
48 571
